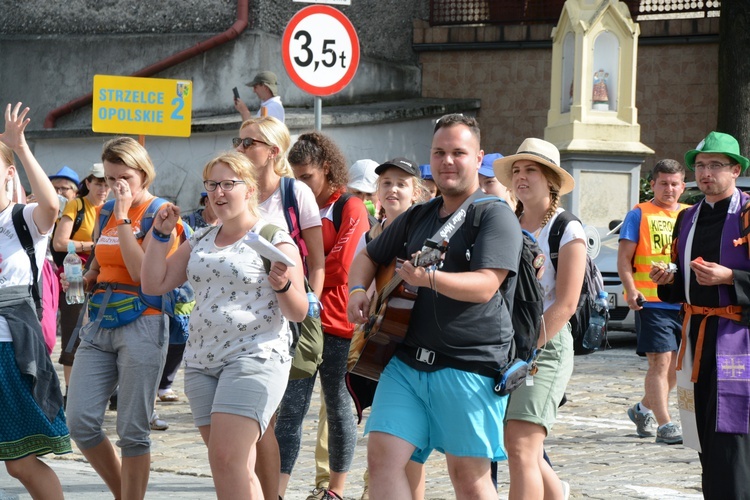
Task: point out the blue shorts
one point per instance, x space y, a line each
658 330
448 410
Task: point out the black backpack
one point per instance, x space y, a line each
526 305
592 285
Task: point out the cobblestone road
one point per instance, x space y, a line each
593 446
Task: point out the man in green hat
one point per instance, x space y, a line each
712 280
266 87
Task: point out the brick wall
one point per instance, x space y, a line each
676 83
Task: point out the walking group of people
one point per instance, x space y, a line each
249 268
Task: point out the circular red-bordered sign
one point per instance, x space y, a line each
320 50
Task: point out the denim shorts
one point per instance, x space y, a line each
247 386
658 330
538 403
448 410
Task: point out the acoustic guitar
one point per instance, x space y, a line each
374 342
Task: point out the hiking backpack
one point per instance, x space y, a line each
526 306
177 303
592 285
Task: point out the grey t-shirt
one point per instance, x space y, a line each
479 334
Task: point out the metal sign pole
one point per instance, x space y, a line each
318 110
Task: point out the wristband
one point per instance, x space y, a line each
285 289
120 222
357 288
159 236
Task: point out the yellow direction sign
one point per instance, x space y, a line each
142 106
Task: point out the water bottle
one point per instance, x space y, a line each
74 275
594 335
313 307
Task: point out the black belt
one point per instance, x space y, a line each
432 358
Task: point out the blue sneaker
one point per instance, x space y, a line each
645 423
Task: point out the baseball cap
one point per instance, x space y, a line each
407 166
97 170
486 168
362 176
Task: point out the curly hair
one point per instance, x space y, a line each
275 133
318 150
554 182
244 169
126 151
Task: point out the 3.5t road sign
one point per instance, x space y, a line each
320 50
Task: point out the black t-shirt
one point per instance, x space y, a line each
470 332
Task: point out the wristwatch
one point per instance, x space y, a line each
123 221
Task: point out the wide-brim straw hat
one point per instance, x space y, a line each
539 151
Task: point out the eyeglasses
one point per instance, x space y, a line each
227 185
63 189
714 165
247 142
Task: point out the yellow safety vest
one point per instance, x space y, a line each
654 245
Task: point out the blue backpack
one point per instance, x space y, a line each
177 303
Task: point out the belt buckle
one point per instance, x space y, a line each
425 355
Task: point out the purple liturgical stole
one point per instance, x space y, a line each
732 339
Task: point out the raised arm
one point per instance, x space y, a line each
46 211
158 273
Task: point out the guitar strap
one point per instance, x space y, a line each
453 224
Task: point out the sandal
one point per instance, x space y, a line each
169 396
157 424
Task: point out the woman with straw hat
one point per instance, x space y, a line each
537 181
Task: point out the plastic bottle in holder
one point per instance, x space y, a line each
594 335
74 276
313 307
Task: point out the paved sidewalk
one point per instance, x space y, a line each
593 446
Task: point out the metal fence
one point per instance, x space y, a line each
448 12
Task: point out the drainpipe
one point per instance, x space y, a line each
233 32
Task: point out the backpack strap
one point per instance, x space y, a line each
291 215
104 214
338 209
556 232
24 237
268 232
79 216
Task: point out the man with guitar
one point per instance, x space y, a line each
437 390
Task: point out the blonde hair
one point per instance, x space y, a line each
244 169
554 182
126 151
275 133
6 154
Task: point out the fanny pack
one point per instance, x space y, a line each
113 309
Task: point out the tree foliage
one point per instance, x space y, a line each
734 71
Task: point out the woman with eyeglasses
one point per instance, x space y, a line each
265 141
125 343
32 422
237 356
77 225
319 163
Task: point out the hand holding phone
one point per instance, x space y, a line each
236 93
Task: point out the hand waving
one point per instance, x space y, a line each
15 124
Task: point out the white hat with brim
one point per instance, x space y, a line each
539 151
362 176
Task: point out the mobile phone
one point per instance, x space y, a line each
236 93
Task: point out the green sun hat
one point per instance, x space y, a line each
717 142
